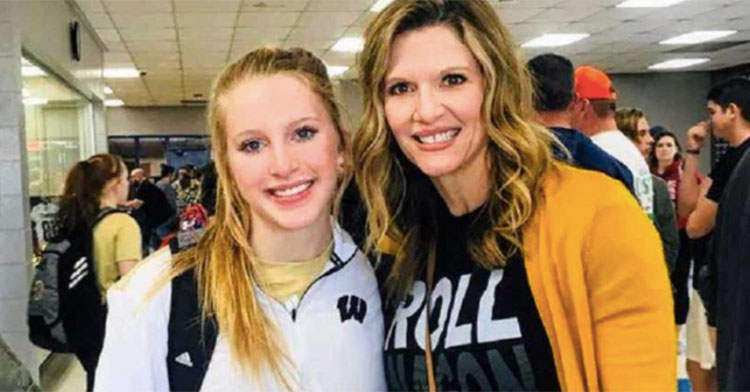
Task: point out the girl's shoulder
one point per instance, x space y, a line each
148 283
117 219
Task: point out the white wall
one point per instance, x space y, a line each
188 120
156 121
40 29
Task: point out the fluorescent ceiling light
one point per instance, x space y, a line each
553 40
114 102
336 70
31 71
25 93
35 101
380 4
697 37
678 63
122 73
107 90
349 44
648 3
25 62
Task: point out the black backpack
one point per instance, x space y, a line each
66 311
191 341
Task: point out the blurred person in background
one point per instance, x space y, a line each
554 83
151 207
594 115
92 186
727 296
187 187
633 124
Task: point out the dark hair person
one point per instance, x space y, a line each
523 266
90 186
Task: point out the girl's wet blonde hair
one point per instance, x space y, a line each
519 153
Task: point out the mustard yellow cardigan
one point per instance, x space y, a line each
599 280
598 277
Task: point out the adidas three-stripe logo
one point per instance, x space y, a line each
80 270
184 359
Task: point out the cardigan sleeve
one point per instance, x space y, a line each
630 299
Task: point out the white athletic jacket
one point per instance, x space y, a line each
335 339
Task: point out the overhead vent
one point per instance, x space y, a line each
194 102
708 47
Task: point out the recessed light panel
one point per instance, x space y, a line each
678 63
114 102
380 4
554 40
349 44
114 73
697 37
648 3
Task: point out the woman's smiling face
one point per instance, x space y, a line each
434 90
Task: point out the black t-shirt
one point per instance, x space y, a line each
485 328
723 170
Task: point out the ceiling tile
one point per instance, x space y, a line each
252 34
143 7
134 20
314 19
201 46
115 46
155 57
348 5
316 34
206 34
148 34
517 15
311 45
152 46
241 48
117 57
204 20
274 5
190 6
269 19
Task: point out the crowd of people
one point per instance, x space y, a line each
504 225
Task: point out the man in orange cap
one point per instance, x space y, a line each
594 115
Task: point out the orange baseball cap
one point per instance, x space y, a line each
593 83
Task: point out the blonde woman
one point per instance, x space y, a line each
274 296
503 269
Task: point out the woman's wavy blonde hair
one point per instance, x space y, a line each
519 151
222 260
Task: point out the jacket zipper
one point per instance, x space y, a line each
338 264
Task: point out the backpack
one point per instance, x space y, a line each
66 312
191 342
